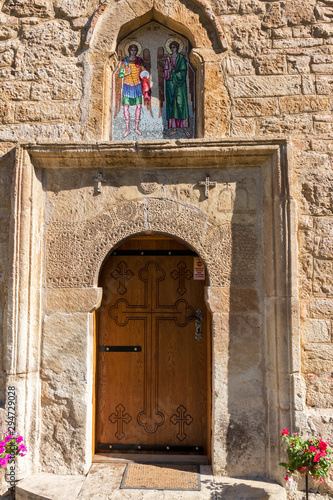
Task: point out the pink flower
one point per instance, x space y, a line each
316 458
313 448
2 449
3 462
8 438
287 478
322 446
19 439
2 443
284 432
22 447
303 468
323 453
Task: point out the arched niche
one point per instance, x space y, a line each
120 21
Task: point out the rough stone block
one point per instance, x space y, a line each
318 330
323 225
308 86
242 127
321 308
294 43
298 64
256 107
46 112
73 299
282 33
324 247
14 91
326 69
324 85
273 64
302 104
319 392
6 33
28 8
239 66
265 86
286 124
6 58
318 359
6 113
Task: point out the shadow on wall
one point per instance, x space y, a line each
246 434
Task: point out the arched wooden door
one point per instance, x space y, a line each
152 374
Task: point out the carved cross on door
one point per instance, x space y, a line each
120 418
182 274
207 185
181 419
122 274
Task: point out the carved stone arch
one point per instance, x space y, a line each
113 22
154 216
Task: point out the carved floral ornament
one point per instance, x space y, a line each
75 251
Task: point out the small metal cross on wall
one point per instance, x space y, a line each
207 184
99 179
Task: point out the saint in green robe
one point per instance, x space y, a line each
174 72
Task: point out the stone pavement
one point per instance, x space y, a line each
103 483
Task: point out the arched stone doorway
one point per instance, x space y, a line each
153 381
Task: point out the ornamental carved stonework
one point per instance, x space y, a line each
75 250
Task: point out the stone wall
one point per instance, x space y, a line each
275 78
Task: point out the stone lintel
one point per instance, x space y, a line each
195 153
73 299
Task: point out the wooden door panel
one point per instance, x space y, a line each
158 395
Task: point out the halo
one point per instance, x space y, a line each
174 39
133 42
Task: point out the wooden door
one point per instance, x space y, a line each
152 352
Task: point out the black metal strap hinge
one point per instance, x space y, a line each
120 348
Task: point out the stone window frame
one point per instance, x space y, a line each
111 23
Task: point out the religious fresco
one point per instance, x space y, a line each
153 86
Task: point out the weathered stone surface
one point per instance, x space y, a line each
298 64
6 33
319 392
318 360
274 64
319 330
265 86
324 85
65 344
75 8
239 66
58 40
6 58
47 112
295 43
248 40
15 91
28 8
73 299
285 124
303 104
256 107
321 308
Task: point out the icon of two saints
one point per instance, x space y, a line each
134 75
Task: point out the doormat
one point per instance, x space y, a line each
162 477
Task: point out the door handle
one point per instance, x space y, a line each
198 324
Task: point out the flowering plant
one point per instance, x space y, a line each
11 445
309 456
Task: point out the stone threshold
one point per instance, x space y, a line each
103 483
